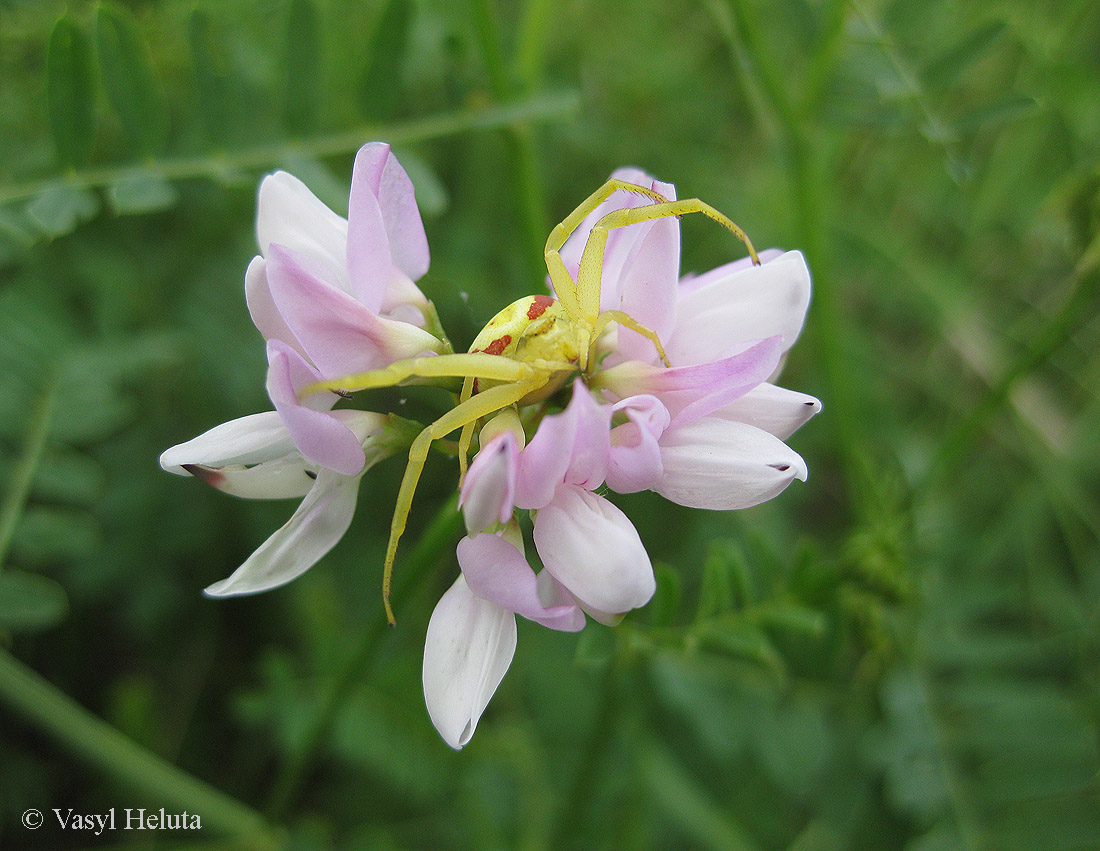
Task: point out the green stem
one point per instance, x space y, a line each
829 330
530 196
22 476
54 713
1086 282
573 812
436 538
540 108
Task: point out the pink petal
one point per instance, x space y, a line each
336 332
690 392
776 410
319 436
635 463
722 465
261 306
747 304
384 225
572 446
495 570
690 283
592 549
489 491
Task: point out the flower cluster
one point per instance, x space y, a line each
705 430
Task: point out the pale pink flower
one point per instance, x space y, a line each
335 297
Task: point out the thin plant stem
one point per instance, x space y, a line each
71 726
22 477
288 781
544 107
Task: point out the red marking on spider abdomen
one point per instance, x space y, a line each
498 345
538 306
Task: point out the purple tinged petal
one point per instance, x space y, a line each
722 465
386 239
572 446
635 461
776 410
314 529
496 571
489 490
467 650
321 437
649 283
592 549
690 392
289 214
336 332
747 304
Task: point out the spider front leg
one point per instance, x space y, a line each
589 277
474 364
564 285
483 404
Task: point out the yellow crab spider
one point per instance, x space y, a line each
530 348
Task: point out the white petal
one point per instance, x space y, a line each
776 410
467 650
591 547
720 464
289 214
316 527
249 440
747 304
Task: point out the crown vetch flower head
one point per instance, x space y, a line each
672 391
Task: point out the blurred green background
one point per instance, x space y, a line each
902 653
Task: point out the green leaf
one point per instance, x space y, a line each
60 207
666 600
791 618
128 78
716 596
55 534
380 90
794 742
70 92
68 476
1006 109
303 67
689 803
141 192
944 69
740 640
30 602
212 77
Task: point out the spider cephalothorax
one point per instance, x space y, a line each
526 352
